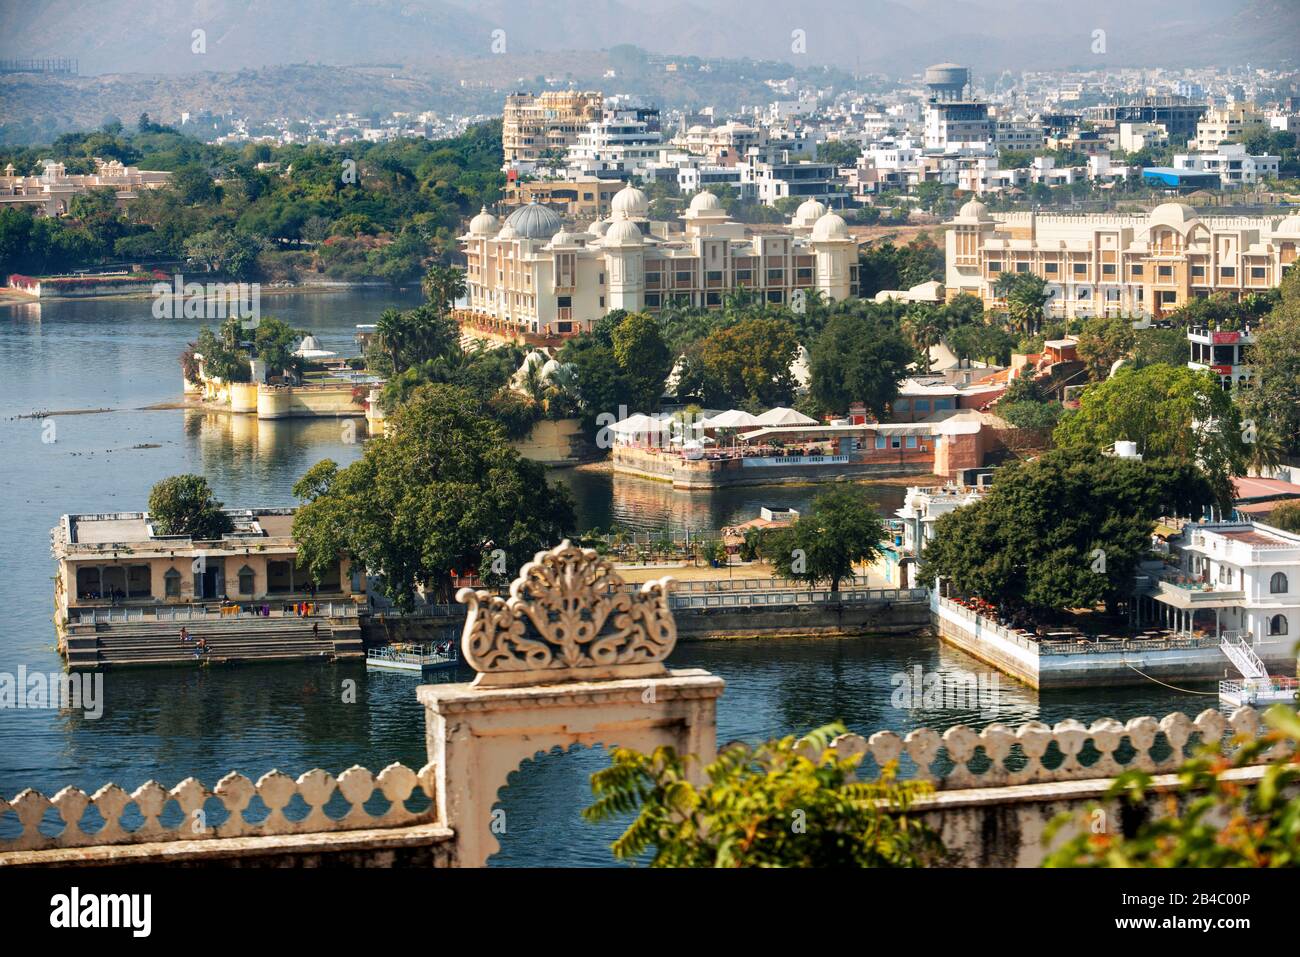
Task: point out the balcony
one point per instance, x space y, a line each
1175 587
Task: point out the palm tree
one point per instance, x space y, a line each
393 336
925 326
442 286
534 382
1265 450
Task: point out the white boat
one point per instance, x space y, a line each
1256 686
416 658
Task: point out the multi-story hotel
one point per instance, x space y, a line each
532 125
1115 264
531 275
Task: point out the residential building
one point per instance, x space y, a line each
532 124
1176 114
581 199
769 182
1231 123
1119 264
618 145
1234 166
1225 352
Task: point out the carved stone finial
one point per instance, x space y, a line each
568 618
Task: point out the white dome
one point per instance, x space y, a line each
565 238
830 227
974 209
1288 227
630 202
623 232
598 228
507 231
809 211
704 201
1177 215
484 224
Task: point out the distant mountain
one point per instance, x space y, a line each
893 36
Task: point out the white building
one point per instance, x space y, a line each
1235 578
618 145
1234 165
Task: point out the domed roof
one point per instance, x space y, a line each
623 232
830 227
507 231
1177 215
534 221
484 224
598 228
975 210
309 344
566 238
704 201
1288 227
630 202
809 211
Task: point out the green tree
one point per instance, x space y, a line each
1065 530
748 362
1170 412
273 342
1286 516
925 325
840 530
437 494
742 816
185 505
442 286
644 358
1274 402
1103 341
858 358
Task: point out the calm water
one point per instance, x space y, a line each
172 723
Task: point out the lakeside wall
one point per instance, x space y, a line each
1088 665
699 474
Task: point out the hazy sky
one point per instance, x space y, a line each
890 36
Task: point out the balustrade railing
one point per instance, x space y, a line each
350 793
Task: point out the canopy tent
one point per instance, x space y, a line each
783 416
731 419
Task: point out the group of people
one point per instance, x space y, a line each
200 643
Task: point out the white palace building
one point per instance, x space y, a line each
1147 264
531 276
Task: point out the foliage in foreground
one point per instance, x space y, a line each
1209 821
762 806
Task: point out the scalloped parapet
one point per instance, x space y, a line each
569 617
1000 756
234 792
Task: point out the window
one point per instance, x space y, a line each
602 278
1022 267
744 275
172 583
995 265
1228 272
683 276
1198 272
713 299
602 302
923 405
911 441
1277 625
1164 272
1108 269
776 296
1277 584
1257 272
564 302
895 441
903 405
880 441
714 275
246 581
776 275
1080 269
1137 270
652 300
1050 268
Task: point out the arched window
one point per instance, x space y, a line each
1277 625
1277 584
172 583
246 581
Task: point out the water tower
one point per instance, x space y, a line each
947 82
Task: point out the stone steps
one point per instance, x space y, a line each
123 644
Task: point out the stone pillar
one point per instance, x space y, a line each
570 658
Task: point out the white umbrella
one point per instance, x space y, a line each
783 416
731 419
